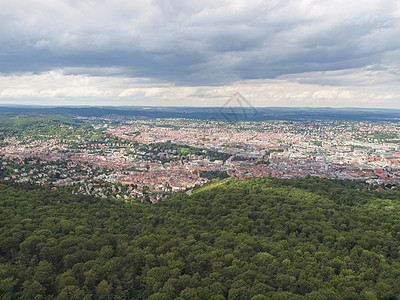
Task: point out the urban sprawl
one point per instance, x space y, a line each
141 159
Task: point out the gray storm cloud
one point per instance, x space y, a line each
197 42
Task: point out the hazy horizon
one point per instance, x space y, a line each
11 105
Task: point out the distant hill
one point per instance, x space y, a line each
260 238
214 113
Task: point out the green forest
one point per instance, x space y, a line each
37 126
260 238
213 174
181 151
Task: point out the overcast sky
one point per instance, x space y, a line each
332 53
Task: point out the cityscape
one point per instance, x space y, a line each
147 158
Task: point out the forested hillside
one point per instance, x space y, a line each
254 239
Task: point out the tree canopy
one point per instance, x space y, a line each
259 238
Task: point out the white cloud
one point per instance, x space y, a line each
59 88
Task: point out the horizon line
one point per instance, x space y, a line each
200 107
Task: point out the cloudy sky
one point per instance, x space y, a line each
335 53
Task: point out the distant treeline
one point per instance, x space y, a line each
218 113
